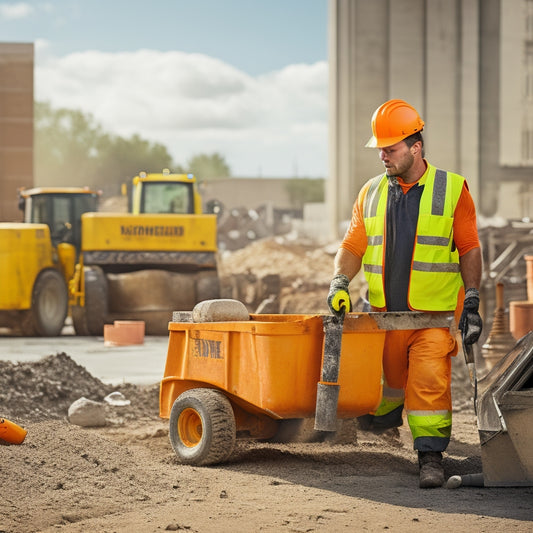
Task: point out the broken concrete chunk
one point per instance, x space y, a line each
117 398
87 413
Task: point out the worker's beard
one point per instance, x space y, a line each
402 167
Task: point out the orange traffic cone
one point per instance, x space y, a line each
11 432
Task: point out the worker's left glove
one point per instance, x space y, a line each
339 297
470 323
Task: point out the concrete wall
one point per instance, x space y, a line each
247 192
462 63
505 97
16 125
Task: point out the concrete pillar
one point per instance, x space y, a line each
423 51
341 111
468 143
356 48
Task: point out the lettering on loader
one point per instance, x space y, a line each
152 231
207 348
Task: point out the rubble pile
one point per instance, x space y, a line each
292 273
289 258
241 226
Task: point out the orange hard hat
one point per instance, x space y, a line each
392 122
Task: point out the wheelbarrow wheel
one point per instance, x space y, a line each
202 427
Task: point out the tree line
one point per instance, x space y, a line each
72 149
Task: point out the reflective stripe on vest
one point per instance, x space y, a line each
435 259
374 215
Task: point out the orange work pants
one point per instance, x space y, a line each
417 371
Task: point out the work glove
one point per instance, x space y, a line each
339 297
470 323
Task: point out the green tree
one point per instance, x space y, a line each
120 159
208 167
65 146
72 149
305 190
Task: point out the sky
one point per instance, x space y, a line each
245 78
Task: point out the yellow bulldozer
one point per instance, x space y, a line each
141 265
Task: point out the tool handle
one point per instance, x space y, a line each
332 347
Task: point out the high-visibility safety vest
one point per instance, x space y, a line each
435 277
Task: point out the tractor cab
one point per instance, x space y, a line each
61 209
166 193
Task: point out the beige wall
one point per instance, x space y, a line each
247 192
16 125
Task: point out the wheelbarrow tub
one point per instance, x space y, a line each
270 365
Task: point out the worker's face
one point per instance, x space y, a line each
398 159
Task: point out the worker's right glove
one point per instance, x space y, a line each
470 323
339 297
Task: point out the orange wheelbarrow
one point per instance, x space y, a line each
229 379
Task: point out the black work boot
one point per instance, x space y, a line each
383 423
431 471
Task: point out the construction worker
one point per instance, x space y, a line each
413 231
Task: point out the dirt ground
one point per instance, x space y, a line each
125 476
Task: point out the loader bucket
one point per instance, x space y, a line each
505 418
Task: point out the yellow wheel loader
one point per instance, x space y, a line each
146 264
141 265
37 258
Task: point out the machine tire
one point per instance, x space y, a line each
79 321
49 306
202 427
90 319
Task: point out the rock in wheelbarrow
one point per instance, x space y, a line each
220 310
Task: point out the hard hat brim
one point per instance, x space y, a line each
383 143
372 143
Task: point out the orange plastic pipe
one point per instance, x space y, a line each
11 432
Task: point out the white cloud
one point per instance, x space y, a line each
17 10
192 103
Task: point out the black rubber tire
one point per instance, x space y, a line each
49 306
79 320
96 304
90 319
202 427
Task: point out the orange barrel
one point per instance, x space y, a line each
520 318
11 432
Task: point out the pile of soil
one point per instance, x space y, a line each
294 261
305 271
44 390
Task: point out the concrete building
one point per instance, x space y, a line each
16 125
466 65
